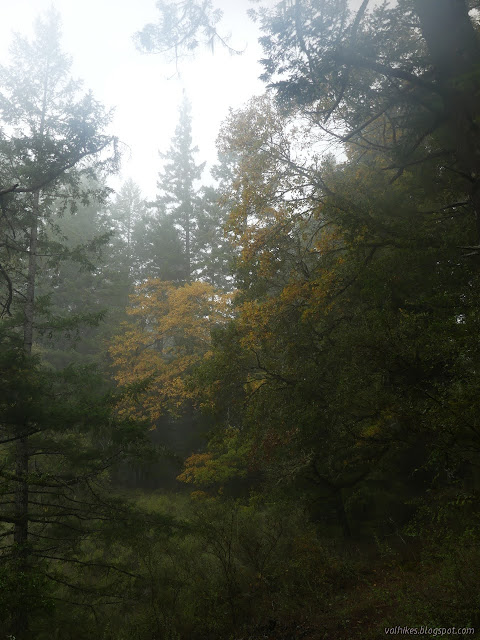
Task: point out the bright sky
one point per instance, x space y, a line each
144 89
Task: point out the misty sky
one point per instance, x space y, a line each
144 89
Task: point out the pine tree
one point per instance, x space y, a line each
89 279
159 251
213 251
126 212
52 145
176 183
180 29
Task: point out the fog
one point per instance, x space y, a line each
145 90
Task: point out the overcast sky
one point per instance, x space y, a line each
144 89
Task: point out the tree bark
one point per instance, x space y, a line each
454 47
187 241
20 533
32 272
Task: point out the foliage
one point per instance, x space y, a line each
181 27
214 251
168 338
73 439
57 428
177 197
225 461
337 491
52 141
85 288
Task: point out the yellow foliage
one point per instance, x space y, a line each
193 466
169 335
221 464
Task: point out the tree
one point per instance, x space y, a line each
394 86
159 250
181 27
346 333
74 437
54 139
409 69
398 80
214 251
51 139
87 275
176 185
127 211
168 338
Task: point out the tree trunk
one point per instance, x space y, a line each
32 271
20 534
187 241
454 47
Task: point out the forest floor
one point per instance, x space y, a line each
391 593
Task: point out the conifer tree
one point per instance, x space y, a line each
213 250
126 211
176 184
159 251
55 429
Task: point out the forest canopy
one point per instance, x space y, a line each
247 408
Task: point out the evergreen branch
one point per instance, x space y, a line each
19 437
346 72
8 302
59 172
350 57
91 564
9 189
